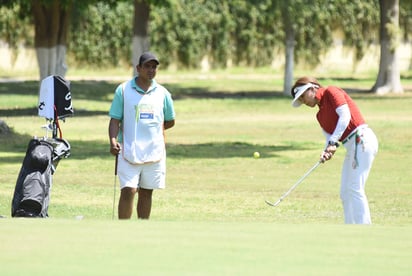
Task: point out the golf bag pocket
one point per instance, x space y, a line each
40 157
35 196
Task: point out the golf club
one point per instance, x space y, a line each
295 185
114 185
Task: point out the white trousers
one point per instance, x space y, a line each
361 150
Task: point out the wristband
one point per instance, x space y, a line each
331 143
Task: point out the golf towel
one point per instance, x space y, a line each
55 93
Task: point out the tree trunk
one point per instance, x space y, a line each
289 63
389 79
289 49
50 38
140 40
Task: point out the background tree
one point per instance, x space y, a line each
405 23
50 19
389 79
15 29
141 32
358 21
214 33
182 33
140 40
307 34
51 23
100 35
255 32
290 42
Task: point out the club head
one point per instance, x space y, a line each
273 204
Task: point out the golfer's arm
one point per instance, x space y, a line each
343 122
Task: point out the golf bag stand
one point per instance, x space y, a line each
32 191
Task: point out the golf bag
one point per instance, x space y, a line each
32 192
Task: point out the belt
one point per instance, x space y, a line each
349 137
354 133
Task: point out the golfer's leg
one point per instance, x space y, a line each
360 201
356 176
345 189
126 202
144 203
361 207
366 154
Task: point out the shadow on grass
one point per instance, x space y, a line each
83 90
102 91
81 150
15 112
96 90
225 150
20 112
86 149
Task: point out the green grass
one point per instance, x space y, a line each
90 247
211 218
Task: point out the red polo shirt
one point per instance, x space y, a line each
331 98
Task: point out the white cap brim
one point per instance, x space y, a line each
299 91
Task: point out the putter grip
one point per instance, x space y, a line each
115 163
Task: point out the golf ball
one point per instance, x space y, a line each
256 154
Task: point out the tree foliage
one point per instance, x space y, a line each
405 19
311 24
14 28
101 34
360 23
244 32
256 32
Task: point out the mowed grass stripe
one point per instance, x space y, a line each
90 247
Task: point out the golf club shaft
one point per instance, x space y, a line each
114 185
295 185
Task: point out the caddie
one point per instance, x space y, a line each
140 112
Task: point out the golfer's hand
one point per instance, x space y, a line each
115 148
328 153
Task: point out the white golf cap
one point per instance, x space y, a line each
298 91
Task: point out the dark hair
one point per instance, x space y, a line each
302 81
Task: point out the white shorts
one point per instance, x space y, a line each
147 176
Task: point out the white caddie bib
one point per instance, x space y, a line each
143 118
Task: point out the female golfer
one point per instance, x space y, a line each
341 121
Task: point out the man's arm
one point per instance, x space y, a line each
114 126
169 124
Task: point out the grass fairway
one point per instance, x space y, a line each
212 219
90 247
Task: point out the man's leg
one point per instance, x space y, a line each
144 203
126 202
